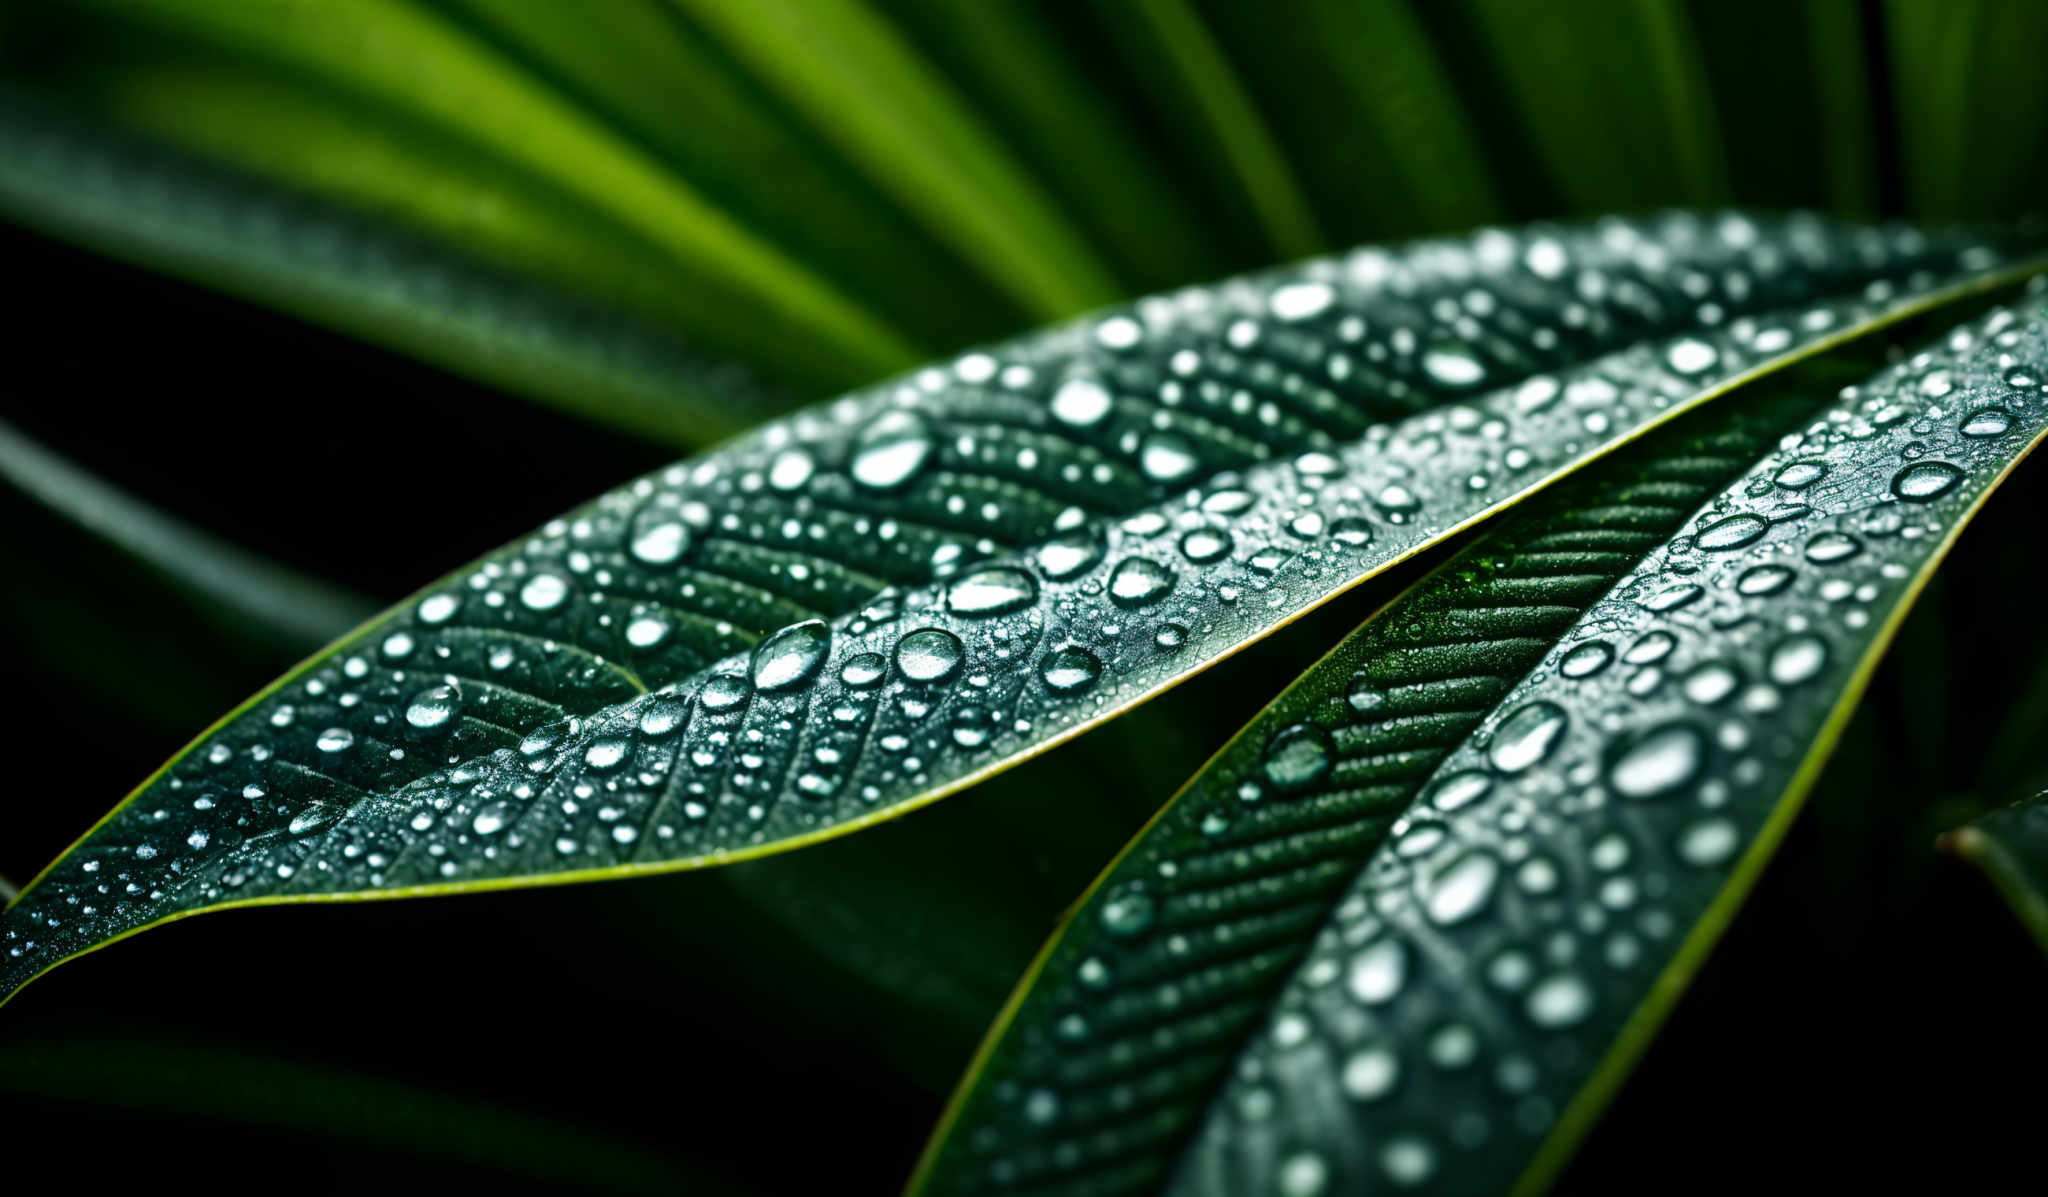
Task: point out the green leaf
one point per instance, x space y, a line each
2010 845
747 652
1966 104
272 600
410 120
1413 925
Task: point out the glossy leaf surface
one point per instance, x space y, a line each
1412 926
876 602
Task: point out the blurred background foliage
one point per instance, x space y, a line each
316 299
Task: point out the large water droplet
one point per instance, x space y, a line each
790 657
1587 659
1458 789
1462 889
1139 581
433 707
1797 659
1378 970
658 537
1167 457
892 449
1070 669
1801 474
1081 403
1988 421
1658 762
1925 480
1731 533
929 655
1070 553
1827 548
1526 736
992 591
1298 757
1203 545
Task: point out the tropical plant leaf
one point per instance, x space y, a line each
1414 924
743 653
2010 845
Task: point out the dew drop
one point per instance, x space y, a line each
724 692
1731 533
335 739
1691 356
1560 1000
993 591
1202 545
1377 971
1797 659
1526 736
1708 843
1070 669
1298 757
1925 480
929 655
1127 910
1988 421
1764 579
1371 1073
1081 403
863 670
544 592
1587 659
433 707
657 537
1462 889
1167 457
1801 474
1657 762
1139 582
1453 365
892 449
792 656
1458 789
1827 548
1070 553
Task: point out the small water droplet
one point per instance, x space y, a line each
544 592
1462 889
1070 669
863 670
1587 659
1526 736
433 707
1657 762
1167 457
929 655
1081 403
1139 582
1127 910
996 590
1925 480
1797 659
892 449
1298 757
1203 545
1731 533
791 656
1801 474
1987 421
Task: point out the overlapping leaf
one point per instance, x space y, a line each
746 652
1412 926
2011 846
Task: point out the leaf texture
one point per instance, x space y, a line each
1411 926
874 603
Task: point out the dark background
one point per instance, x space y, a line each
1869 1020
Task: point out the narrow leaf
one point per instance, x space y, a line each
1415 923
1969 101
747 652
2011 846
898 119
282 603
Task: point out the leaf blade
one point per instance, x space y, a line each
1417 993
630 651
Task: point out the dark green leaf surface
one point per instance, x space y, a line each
2011 846
746 652
1412 925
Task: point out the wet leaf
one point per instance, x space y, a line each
879 601
1415 923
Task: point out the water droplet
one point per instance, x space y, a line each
1731 533
1070 669
1458 789
1764 579
1691 356
314 817
1377 971
993 591
544 592
1301 301
1167 457
1801 474
724 691
1397 501
1127 910
1925 480
1710 682
1526 736
790 470
1205 544
1827 548
1138 582
1988 421
792 656
1587 659
1708 842
1298 757
1408 1161
1371 1073
1671 598
1560 1000
1081 403
433 707
863 670
1797 659
1351 530
335 739
929 655
892 449
1462 889
607 753
658 537
1453 365
1657 762
1071 553
1304 1174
